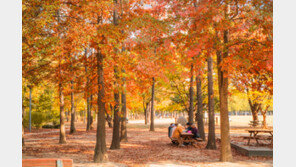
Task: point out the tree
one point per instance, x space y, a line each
199 113
123 134
191 94
72 127
87 92
211 136
146 107
116 123
100 154
61 89
152 105
226 154
116 133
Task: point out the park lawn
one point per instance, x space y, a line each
144 148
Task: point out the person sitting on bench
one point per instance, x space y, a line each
177 134
188 127
194 131
172 127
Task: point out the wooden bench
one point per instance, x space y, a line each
47 162
254 135
259 138
194 141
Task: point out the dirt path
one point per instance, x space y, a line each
143 148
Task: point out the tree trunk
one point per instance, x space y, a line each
88 120
116 124
211 136
23 136
148 110
264 124
30 108
109 118
263 112
226 154
123 136
61 96
152 107
199 114
191 94
145 111
90 113
23 133
62 116
255 115
72 127
254 109
115 137
123 130
68 115
100 153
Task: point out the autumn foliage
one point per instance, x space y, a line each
94 51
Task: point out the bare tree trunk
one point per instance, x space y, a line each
62 116
211 136
100 153
226 154
191 94
152 106
72 127
199 113
115 137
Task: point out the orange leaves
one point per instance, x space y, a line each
151 39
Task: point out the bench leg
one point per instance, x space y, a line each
250 138
257 141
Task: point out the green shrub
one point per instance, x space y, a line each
37 119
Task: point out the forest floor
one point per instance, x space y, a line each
144 148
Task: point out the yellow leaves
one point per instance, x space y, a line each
211 30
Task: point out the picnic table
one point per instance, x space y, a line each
189 138
254 135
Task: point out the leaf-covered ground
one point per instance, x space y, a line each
144 148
